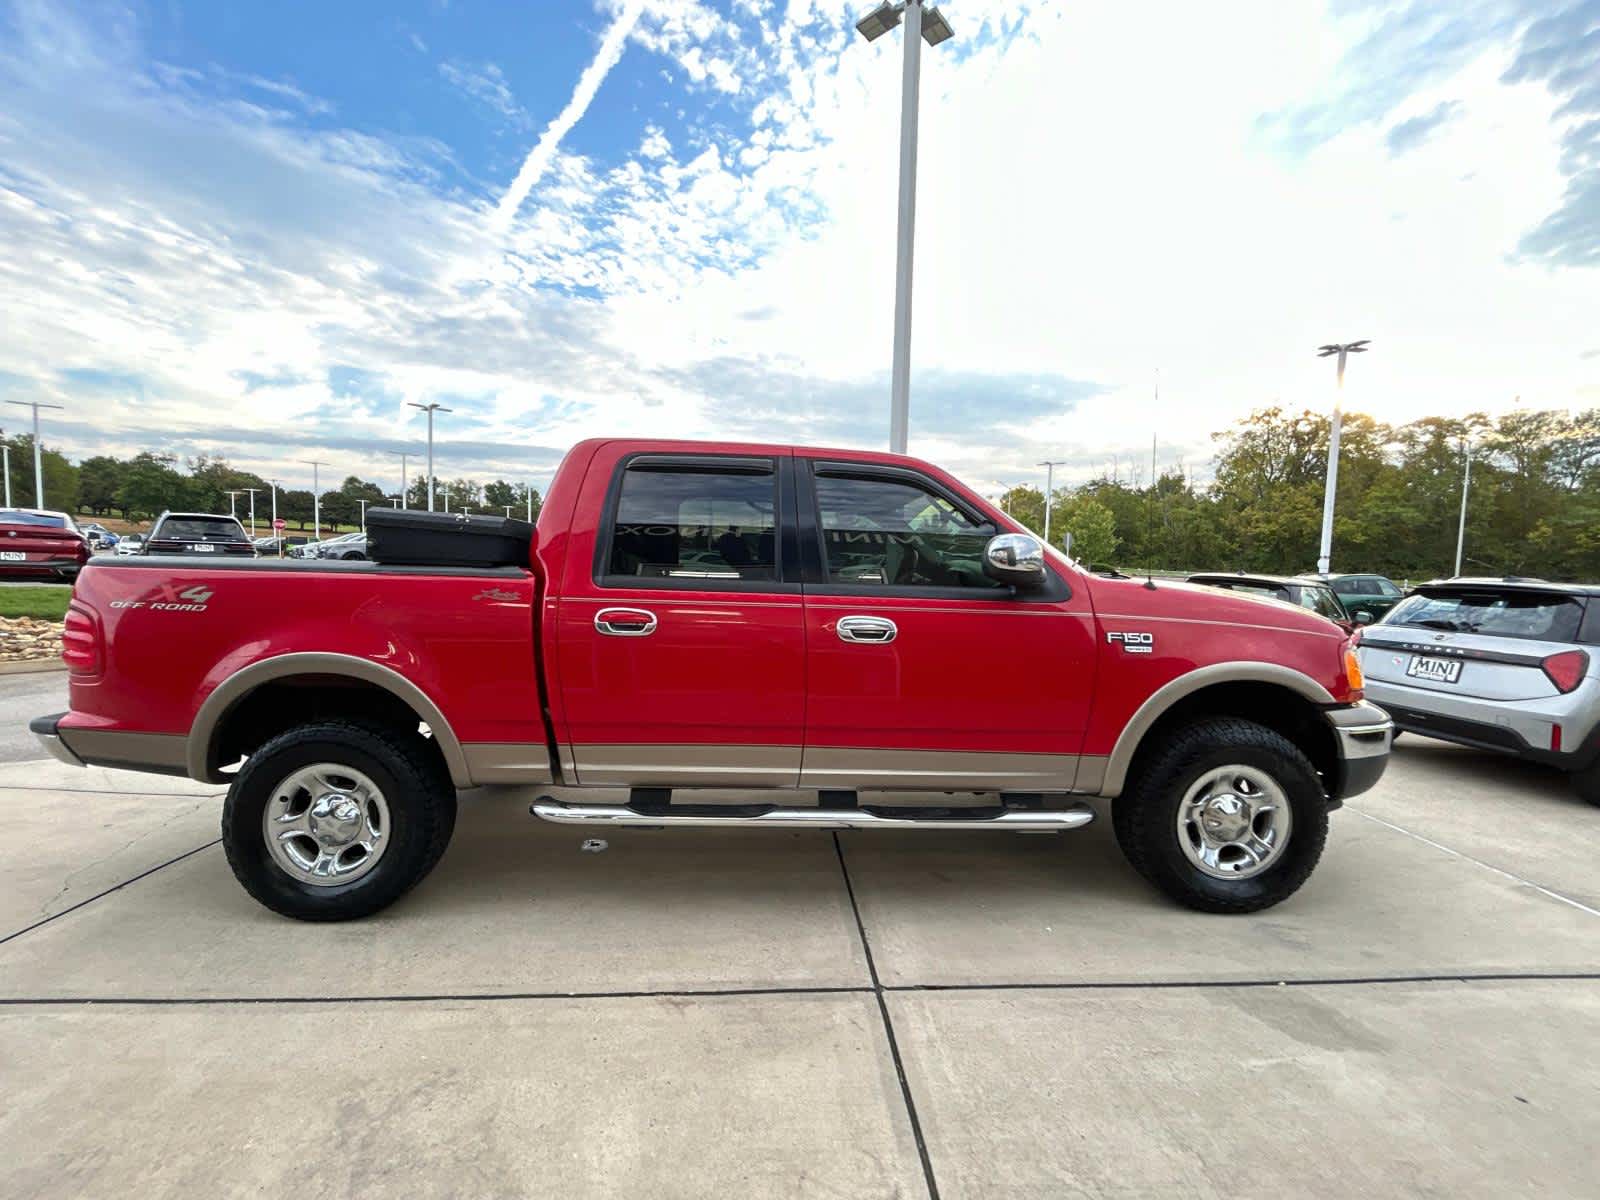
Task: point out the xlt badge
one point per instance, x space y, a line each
1134 643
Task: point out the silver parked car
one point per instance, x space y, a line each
1511 665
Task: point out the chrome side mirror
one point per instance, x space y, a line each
1363 617
1015 558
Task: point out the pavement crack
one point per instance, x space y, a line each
115 888
1501 871
888 1028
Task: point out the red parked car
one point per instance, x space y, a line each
38 544
817 626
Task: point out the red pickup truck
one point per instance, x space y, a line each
821 627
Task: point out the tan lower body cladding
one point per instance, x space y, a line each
844 768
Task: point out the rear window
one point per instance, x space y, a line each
1532 616
201 529
46 520
1271 591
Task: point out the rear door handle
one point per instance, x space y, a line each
876 630
625 622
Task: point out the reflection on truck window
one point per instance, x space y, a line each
695 525
881 531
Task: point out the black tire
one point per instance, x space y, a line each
420 800
1145 816
1586 783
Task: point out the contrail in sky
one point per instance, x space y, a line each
589 82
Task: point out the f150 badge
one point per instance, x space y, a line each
1134 643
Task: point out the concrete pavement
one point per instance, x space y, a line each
23 697
776 1014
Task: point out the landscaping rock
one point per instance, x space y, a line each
28 639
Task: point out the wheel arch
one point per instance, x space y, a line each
1277 696
314 669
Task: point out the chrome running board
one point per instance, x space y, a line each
1015 820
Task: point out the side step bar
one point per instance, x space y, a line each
547 808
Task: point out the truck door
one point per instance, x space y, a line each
680 650
921 670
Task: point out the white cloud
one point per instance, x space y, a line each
1094 203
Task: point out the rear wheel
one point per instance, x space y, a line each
333 821
1224 816
1587 784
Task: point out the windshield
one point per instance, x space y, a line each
202 529
1531 615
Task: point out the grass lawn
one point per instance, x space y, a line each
49 603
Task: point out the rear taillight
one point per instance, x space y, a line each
80 641
1567 669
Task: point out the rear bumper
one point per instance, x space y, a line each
1363 733
44 568
1522 729
161 753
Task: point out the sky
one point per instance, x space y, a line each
261 231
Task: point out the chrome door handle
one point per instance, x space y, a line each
877 630
625 622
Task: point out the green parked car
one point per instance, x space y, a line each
1372 594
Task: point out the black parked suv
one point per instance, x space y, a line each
198 533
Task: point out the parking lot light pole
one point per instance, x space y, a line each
1049 466
1466 486
1332 485
402 455
929 26
316 498
233 504
528 489
5 451
38 459
274 485
430 409
252 492
363 504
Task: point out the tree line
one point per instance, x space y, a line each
1533 507
150 483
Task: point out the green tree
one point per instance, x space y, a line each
294 507
1025 504
1093 528
98 480
60 476
150 485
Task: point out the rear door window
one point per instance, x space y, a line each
1533 616
689 520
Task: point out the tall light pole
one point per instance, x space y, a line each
274 485
38 460
1049 466
316 497
921 25
363 504
528 491
6 452
252 492
430 409
233 503
403 455
1466 486
1332 484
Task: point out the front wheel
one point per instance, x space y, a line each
1224 816
333 821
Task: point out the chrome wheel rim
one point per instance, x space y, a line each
1234 822
326 824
